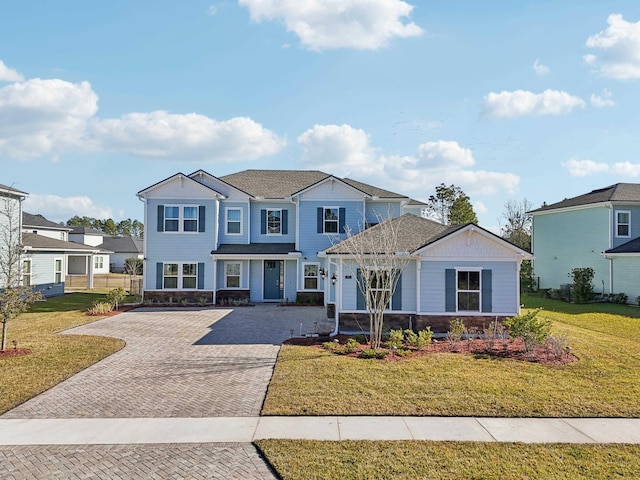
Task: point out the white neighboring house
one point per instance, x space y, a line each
50 257
114 250
95 238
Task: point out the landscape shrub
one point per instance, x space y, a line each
419 340
116 296
396 338
532 329
456 329
582 284
100 308
369 353
557 345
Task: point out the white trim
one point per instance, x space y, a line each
267 210
61 271
331 178
618 224
226 221
225 264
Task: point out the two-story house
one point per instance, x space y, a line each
274 235
600 229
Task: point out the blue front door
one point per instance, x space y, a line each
273 279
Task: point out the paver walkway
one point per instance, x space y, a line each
181 363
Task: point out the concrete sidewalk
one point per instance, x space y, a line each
119 431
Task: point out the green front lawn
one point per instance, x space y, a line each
295 459
605 382
54 357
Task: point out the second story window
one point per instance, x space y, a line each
623 224
234 221
331 216
274 222
181 218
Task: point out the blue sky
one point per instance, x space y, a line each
507 100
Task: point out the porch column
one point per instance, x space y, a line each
89 272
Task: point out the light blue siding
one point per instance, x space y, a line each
504 277
233 239
573 239
635 225
256 280
193 247
377 211
626 277
42 273
349 287
290 280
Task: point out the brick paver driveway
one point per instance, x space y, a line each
176 363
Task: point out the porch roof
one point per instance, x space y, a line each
258 249
33 241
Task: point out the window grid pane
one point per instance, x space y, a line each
273 221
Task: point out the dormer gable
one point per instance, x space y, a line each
229 191
331 188
180 186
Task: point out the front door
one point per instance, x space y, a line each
273 279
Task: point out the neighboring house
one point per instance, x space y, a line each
600 229
123 248
267 236
10 229
95 238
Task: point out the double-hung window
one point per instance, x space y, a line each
623 223
234 221
180 218
311 276
379 289
331 219
468 290
274 222
232 274
57 271
180 275
98 262
26 273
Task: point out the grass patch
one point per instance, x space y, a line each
605 382
54 357
296 459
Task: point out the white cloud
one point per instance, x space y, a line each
331 24
626 169
539 68
582 168
38 116
61 209
520 103
480 208
189 137
49 117
9 74
619 47
602 101
346 151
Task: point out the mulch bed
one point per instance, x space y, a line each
15 352
512 349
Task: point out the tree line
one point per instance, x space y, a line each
124 228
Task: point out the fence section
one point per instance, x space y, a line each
131 283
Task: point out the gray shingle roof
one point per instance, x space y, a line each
371 190
413 233
620 192
40 242
255 249
87 231
122 244
273 183
632 246
29 220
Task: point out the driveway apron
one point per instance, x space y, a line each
176 363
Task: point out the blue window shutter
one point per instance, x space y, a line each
200 276
201 218
159 267
341 220
486 291
263 221
161 218
360 304
396 300
450 290
285 222
320 220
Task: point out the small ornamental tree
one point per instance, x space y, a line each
582 284
378 260
15 298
